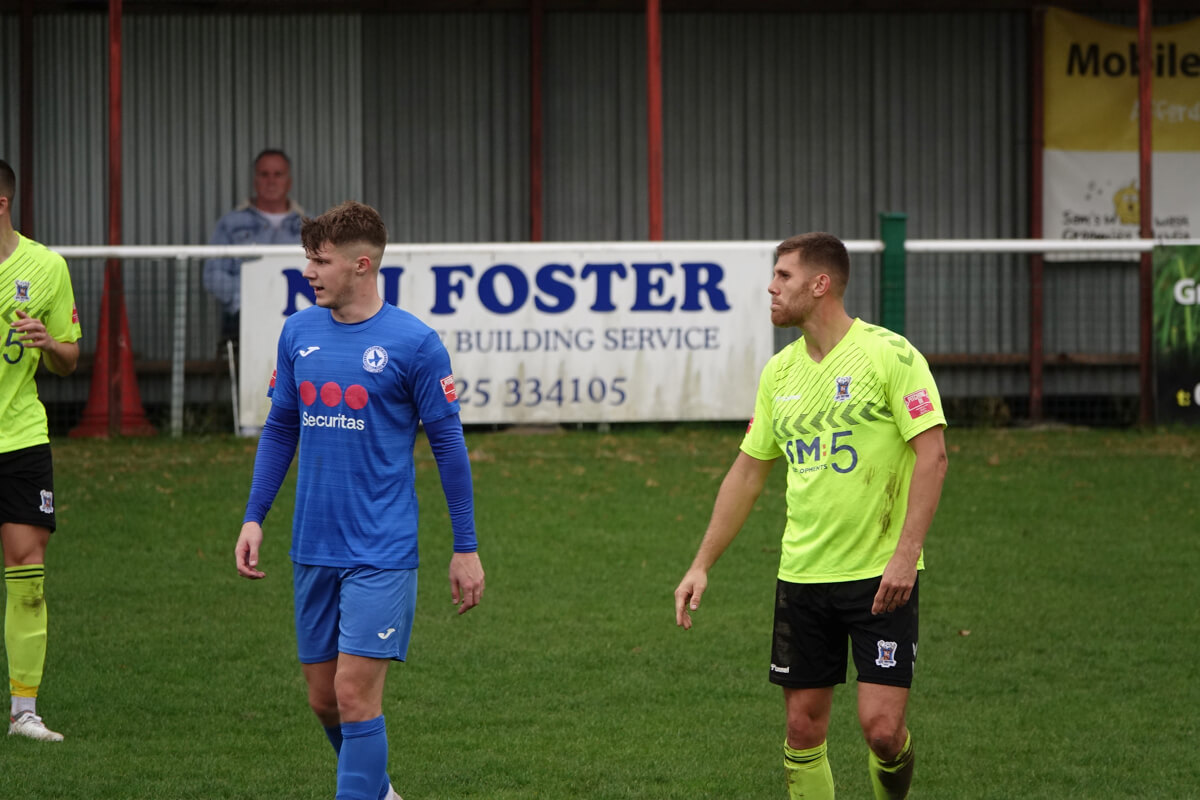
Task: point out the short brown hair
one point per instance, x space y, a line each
347 223
8 180
821 251
272 151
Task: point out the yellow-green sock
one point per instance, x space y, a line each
808 774
890 779
25 627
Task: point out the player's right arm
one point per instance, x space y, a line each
276 448
739 491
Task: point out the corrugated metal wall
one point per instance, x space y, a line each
778 124
446 125
951 147
202 95
70 159
10 94
774 124
595 127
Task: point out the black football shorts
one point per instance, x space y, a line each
27 487
813 622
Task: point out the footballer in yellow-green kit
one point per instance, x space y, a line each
38 324
853 413
843 427
34 280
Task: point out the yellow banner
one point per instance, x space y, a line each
1091 85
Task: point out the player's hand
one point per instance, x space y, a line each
687 596
895 588
32 332
466 581
246 552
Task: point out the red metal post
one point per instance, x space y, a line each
1146 195
1036 260
113 281
26 120
536 202
654 145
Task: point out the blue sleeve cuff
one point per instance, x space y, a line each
450 451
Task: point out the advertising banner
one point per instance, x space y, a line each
1090 156
1177 334
555 334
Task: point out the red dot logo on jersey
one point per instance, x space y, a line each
332 394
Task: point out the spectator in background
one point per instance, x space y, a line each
268 217
37 305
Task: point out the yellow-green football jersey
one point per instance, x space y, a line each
34 280
842 426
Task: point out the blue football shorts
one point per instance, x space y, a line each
361 611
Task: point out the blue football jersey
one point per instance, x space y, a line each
360 391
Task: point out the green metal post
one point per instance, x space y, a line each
891 273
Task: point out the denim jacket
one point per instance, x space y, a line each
244 225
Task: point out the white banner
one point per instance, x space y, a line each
1094 195
553 334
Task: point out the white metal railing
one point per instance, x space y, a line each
182 254
854 246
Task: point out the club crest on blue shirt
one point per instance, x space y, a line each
887 654
375 358
22 291
843 389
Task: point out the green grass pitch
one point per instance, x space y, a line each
1058 647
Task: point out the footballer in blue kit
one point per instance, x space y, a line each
355 379
357 393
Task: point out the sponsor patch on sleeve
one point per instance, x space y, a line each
749 424
448 389
74 315
271 385
918 403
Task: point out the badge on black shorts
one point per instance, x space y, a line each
887 654
47 506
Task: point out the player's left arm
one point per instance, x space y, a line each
59 357
437 403
924 492
454 467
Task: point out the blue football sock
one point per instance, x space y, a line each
335 738
362 761
334 735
